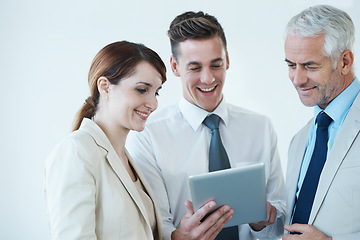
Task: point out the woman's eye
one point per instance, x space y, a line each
157 94
140 90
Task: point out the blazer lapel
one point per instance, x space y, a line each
347 134
296 154
100 138
149 192
129 185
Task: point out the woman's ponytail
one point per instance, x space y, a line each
88 110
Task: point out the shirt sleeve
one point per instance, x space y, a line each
70 191
275 188
139 145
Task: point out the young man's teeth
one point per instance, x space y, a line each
207 89
142 114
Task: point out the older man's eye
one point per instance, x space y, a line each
291 66
311 67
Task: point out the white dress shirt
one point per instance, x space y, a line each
175 145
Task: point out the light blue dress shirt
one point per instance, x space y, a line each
337 110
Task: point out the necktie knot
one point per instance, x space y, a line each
323 120
212 121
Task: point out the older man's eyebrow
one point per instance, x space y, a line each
288 61
308 63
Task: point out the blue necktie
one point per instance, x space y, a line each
218 160
308 190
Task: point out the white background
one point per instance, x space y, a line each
46 48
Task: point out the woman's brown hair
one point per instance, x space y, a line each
115 61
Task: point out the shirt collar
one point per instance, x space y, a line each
339 107
195 115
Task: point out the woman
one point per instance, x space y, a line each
93 189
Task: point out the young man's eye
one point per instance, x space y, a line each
157 94
216 66
140 90
195 68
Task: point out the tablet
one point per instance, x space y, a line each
243 189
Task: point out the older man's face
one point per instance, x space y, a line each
311 72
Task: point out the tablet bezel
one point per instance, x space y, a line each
242 188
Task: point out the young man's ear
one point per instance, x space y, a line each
227 60
174 66
103 85
347 60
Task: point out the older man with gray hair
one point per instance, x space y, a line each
323 174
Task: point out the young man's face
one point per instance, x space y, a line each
202 65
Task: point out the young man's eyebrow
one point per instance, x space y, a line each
198 64
216 60
193 63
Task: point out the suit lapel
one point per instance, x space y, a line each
347 134
296 154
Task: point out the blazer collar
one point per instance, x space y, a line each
347 134
96 133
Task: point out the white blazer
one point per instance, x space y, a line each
89 194
336 207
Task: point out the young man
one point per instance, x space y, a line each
323 175
175 143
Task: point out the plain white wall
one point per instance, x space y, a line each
46 48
